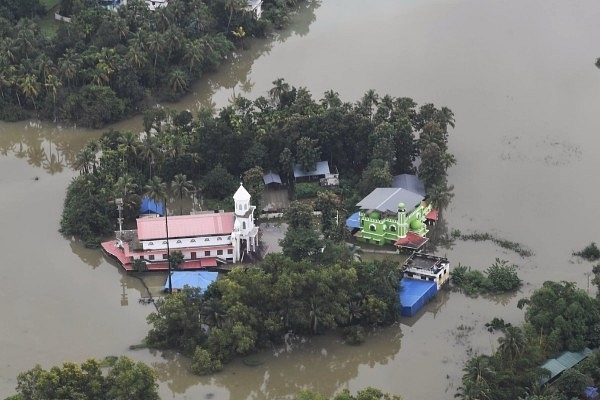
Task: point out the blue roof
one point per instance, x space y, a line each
409 182
321 169
414 294
150 207
354 220
194 279
271 177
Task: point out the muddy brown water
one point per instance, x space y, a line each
520 78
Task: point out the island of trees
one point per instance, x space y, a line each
102 65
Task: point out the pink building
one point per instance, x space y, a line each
204 239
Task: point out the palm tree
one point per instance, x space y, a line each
280 87
129 142
125 185
83 160
156 189
68 65
30 87
180 185
178 80
194 53
52 85
155 45
149 151
512 344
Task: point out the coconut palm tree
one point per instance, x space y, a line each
52 85
180 185
512 344
156 189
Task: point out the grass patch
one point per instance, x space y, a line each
505 244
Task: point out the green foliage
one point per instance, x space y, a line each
500 277
203 363
125 380
567 316
355 334
369 393
299 215
302 244
503 277
307 190
506 244
87 208
591 252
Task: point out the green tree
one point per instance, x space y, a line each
128 380
299 215
181 186
376 175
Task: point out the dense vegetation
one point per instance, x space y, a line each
500 277
122 379
251 308
102 65
558 317
367 142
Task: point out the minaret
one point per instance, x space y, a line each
243 227
402 223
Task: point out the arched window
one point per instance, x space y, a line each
193 241
179 241
392 228
244 225
372 228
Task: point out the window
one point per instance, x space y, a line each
142 257
244 225
372 228
165 257
219 238
230 251
179 241
228 237
151 257
392 228
193 241
193 255
207 240
151 243
164 242
207 253
219 252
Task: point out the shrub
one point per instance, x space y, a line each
355 334
503 277
203 363
590 252
307 190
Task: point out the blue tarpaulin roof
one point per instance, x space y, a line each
150 207
414 294
194 279
353 221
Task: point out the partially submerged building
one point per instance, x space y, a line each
423 276
204 239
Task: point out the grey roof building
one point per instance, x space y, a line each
386 200
409 182
321 171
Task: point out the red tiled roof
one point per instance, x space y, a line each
185 226
411 241
432 215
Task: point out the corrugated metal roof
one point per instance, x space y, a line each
409 182
554 367
271 177
387 200
322 169
186 226
569 359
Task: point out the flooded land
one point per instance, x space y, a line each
521 81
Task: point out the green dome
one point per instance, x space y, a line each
401 206
416 225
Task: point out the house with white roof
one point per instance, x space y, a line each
205 239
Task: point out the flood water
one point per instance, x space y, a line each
520 78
